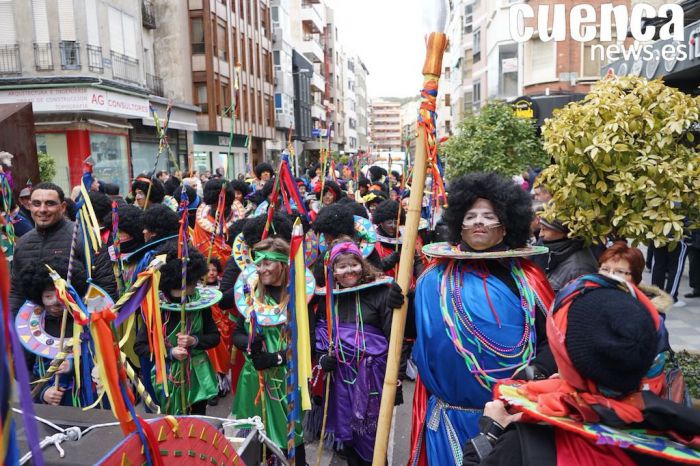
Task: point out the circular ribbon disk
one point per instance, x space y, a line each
450 251
203 297
267 315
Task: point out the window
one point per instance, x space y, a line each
109 151
201 96
467 24
476 93
122 33
591 61
508 81
197 35
540 61
476 48
225 100
221 43
447 100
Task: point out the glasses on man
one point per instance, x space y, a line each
38 203
615 271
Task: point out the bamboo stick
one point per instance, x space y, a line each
436 44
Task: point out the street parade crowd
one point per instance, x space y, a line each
527 346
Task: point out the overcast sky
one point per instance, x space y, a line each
388 35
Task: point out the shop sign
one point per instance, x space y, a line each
71 99
525 107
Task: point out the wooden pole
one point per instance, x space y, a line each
436 44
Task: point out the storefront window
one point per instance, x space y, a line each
143 156
111 159
202 162
55 145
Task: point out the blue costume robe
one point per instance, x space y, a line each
456 398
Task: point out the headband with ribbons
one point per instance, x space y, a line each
347 247
270 256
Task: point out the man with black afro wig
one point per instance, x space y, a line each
334 221
101 205
130 227
510 203
376 174
240 186
363 185
193 201
139 191
332 192
262 193
159 222
39 289
171 184
212 188
503 297
264 171
281 227
185 348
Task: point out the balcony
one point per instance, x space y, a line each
9 59
311 48
154 84
312 17
125 68
148 14
318 112
43 61
318 84
94 54
70 55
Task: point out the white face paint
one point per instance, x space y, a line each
481 228
51 303
347 270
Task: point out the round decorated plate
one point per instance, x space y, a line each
364 231
30 330
451 251
377 282
204 297
30 323
261 209
271 315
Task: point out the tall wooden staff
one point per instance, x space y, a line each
425 147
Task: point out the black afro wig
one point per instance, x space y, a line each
101 204
235 229
240 186
261 195
157 189
264 167
171 272
363 182
387 210
331 185
376 173
281 227
335 220
171 184
511 203
190 192
161 220
129 221
357 209
212 189
35 278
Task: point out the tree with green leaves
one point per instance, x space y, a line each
494 140
47 167
627 162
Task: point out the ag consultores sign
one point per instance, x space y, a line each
71 99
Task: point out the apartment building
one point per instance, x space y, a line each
90 70
385 125
355 104
231 65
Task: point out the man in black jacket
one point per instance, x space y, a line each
52 236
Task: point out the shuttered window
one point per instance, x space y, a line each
122 33
93 31
7 23
66 20
41 23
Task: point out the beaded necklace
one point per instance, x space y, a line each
511 357
359 339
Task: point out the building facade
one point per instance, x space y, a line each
231 67
89 69
385 125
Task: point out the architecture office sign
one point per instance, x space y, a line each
79 99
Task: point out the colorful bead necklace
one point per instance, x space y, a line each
511 357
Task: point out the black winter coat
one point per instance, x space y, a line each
41 245
208 338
